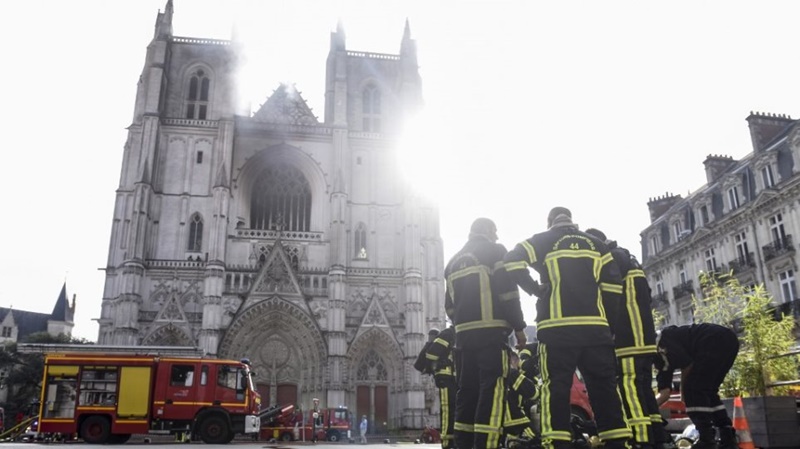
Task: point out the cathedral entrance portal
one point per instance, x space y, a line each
285 348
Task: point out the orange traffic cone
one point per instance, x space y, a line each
741 425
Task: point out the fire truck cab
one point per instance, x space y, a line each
106 394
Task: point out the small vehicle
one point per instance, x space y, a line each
332 424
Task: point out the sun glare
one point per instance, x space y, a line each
422 155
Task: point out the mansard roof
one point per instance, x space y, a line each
286 106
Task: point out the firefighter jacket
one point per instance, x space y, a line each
480 298
635 333
422 364
585 288
529 360
680 346
440 357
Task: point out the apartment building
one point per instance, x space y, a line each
743 221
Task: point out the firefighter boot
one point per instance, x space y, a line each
727 438
707 439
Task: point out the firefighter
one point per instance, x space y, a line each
440 356
704 353
635 343
521 392
483 304
574 324
422 364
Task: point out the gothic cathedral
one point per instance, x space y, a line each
274 236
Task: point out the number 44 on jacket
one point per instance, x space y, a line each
104 394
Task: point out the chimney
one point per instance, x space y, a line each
765 127
716 165
661 204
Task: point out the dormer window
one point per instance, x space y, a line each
702 215
654 246
371 109
766 176
197 95
733 198
677 229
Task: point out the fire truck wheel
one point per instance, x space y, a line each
214 430
287 436
333 436
95 429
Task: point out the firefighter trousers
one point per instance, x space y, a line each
481 396
635 382
447 404
701 386
597 364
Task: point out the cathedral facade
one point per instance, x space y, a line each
275 236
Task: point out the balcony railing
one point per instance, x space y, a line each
778 248
661 298
742 264
685 289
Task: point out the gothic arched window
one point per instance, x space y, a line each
372 367
195 233
371 109
281 200
197 95
360 238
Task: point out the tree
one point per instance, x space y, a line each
24 371
763 334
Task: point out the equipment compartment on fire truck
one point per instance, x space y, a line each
104 394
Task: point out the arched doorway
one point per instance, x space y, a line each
375 367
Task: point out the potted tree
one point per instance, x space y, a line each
765 337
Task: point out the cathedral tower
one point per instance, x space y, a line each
274 236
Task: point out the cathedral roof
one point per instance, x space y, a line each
286 106
62 311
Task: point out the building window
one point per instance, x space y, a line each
677 227
766 176
776 229
682 273
654 247
361 241
195 233
733 198
197 95
281 199
711 261
788 289
371 109
199 157
702 215
6 331
741 247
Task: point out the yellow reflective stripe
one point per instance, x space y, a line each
497 266
545 420
508 422
487 312
508 296
525 352
634 313
518 382
636 350
514 266
614 434
555 281
441 341
611 288
629 394
573 321
481 325
531 252
573 254
464 427
606 258
444 407
432 357
636 273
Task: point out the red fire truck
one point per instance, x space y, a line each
106 393
332 424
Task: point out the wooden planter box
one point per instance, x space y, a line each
774 420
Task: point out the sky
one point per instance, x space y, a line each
596 106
